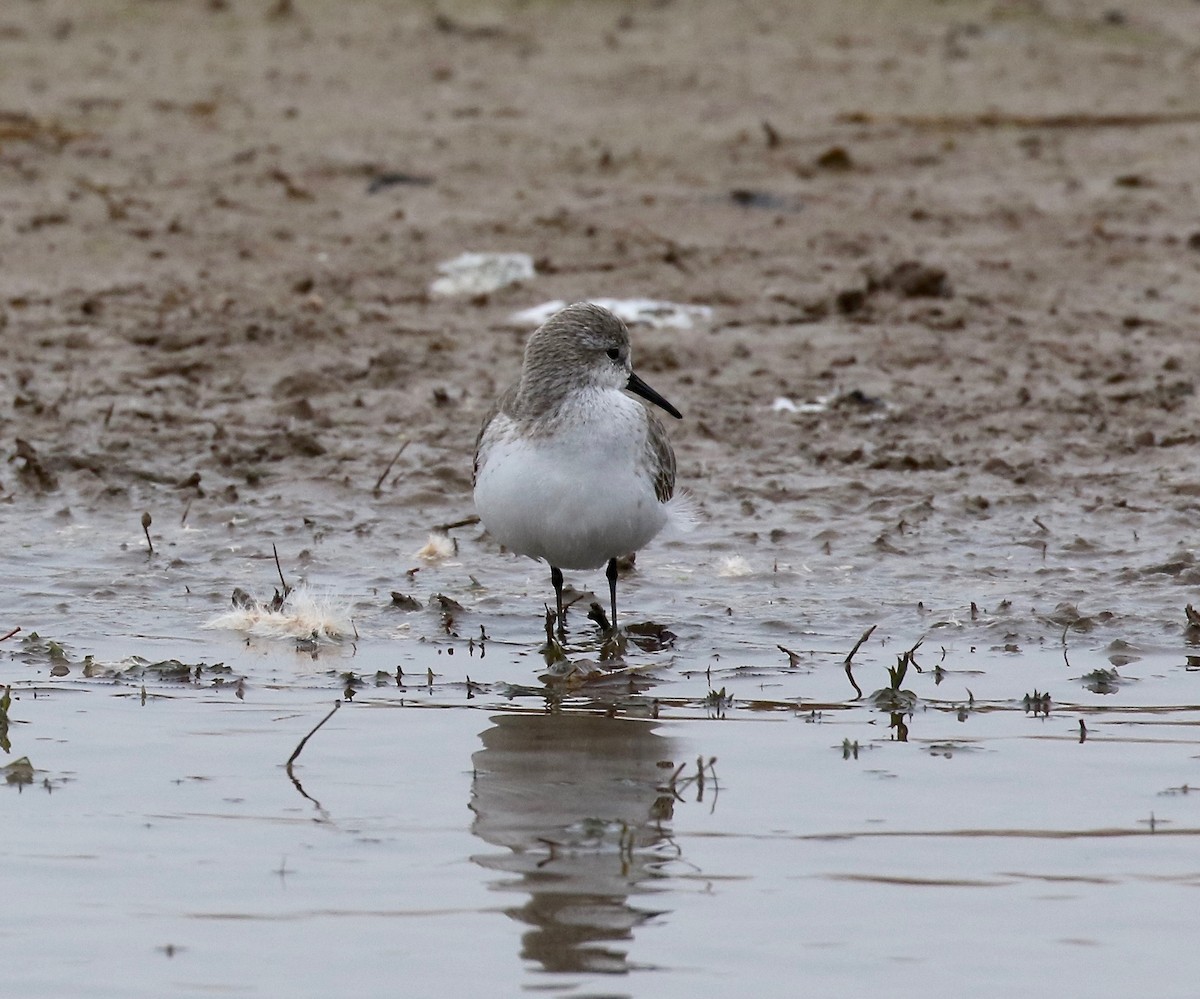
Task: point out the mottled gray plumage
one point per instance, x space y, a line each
556 353
567 467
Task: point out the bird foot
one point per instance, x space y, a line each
613 646
553 650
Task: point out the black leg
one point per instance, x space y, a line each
556 578
612 590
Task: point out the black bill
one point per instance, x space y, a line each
639 387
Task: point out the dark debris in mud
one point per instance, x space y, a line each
59 660
405 602
650 636
1191 631
31 471
1037 703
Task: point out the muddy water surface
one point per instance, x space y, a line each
701 814
942 265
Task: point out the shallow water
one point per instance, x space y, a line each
445 830
945 390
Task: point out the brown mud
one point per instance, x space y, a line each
966 232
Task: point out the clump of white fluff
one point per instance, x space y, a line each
437 549
303 614
733 567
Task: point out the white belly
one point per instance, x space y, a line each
574 500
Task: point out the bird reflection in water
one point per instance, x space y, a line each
580 803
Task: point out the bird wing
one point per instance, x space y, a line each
662 457
502 405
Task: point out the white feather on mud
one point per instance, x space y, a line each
303 614
733 567
437 549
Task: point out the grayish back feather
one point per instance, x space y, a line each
569 346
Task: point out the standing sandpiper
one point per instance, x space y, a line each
568 468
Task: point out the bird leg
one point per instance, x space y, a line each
556 577
612 590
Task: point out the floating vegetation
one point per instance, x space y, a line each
38 651
649 636
1103 681
894 698
567 674
405 602
20 772
717 702
5 703
1037 702
891 699
947 750
169 671
1122 653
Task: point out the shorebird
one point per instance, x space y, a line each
568 468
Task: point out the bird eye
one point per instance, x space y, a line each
614 353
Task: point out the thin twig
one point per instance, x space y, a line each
299 748
911 653
5 638
857 645
395 458
465 522
853 682
278 568
1066 628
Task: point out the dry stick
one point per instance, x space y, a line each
465 522
857 645
716 784
908 656
278 568
1067 628
300 748
395 458
146 530
5 638
793 657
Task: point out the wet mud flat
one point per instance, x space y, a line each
946 390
